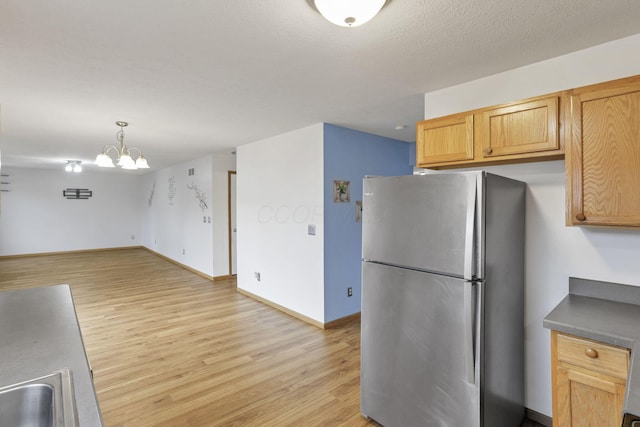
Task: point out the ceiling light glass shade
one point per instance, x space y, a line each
349 13
141 162
131 166
73 166
126 161
104 161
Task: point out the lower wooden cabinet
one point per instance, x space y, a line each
589 381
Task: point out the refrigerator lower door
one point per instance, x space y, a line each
416 340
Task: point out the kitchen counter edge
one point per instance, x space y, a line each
605 312
40 334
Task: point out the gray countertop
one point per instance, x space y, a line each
39 334
606 312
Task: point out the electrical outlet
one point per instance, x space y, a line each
349 292
311 229
133 236
183 252
257 276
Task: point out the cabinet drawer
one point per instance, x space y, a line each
593 355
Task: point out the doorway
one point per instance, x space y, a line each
232 222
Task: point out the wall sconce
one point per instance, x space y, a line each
73 166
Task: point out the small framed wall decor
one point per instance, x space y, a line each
341 191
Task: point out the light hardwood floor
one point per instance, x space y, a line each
170 348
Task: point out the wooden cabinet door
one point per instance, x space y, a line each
586 400
519 128
446 139
603 157
588 382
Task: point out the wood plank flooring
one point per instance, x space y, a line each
170 348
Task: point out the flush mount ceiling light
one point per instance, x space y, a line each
73 166
348 13
123 153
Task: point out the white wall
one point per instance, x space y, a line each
174 223
280 192
553 252
36 218
222 164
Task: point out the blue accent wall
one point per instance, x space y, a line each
350 155
412 153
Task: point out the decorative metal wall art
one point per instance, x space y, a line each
153 190
77 193
200 195
4 182
172 189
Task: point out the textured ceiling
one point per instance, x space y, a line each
194 77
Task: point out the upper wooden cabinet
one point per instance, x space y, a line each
603 154
444 140
524 127
521 131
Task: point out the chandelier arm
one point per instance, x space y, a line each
110 147
135 148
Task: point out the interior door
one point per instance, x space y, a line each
232 224
416 341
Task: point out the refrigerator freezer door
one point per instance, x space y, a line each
414 353
422 222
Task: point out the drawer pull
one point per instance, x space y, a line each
488 151
592 353
581 217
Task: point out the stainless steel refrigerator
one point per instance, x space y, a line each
443 300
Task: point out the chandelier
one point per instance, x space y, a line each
123 153
348 13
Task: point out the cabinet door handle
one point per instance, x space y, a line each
488 151
581 217
591 352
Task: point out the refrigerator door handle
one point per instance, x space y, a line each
469 251
469 316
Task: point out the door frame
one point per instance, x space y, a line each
229 227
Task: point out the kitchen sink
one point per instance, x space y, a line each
631 420
46 401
